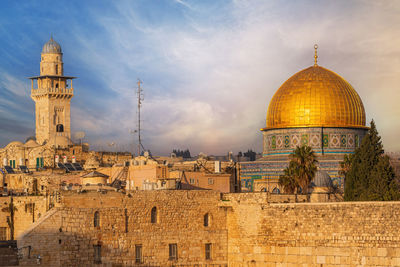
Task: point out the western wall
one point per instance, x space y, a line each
244 229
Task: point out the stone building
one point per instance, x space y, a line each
52 93
314 107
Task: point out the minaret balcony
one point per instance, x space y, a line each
52 91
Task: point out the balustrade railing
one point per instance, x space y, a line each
41 91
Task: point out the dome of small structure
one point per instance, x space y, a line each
31 143
94 178
322 179
51 47
30 138
15 143
315 97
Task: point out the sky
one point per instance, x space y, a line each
209 68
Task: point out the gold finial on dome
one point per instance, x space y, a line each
315 55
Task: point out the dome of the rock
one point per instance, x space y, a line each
316 108
315 97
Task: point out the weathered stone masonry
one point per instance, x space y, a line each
68 237
244 230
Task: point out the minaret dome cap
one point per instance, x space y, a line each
51 47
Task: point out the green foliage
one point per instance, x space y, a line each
250 154
287 180
345 164
369 175
182 153
301 170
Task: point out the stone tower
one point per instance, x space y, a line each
52 93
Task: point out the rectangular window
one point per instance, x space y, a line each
208 251
210 181
29 207
97 254
3 233
138 253
192 181
173 251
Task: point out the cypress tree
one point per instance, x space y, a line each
370 176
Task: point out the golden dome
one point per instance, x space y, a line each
315 97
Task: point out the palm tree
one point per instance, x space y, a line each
288 179
305 162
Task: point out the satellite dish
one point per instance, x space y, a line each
80 135
146 154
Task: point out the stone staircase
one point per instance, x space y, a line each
120 179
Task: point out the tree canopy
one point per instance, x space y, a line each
368 173
250 154
182 153
301 170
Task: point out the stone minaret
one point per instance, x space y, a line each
52 93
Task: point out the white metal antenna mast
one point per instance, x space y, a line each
140 99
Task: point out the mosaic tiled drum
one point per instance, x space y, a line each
315 107
322 140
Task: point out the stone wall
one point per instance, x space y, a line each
26 211
245 229
311 234
68 236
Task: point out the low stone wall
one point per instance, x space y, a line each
312 234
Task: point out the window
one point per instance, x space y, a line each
56 69
192 181
96 219
97 254
59 128
208 251
210 181
173 251
154 215
207 220
138 253
3 233
30 207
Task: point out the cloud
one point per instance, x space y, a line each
210 69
